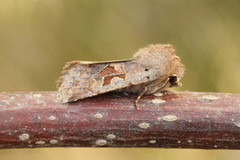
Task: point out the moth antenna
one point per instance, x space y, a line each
138 98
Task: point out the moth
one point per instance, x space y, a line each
152 69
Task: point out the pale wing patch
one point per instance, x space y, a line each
117 79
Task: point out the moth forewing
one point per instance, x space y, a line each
86 80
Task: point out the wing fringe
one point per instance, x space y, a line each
65 69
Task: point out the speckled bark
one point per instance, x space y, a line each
171 120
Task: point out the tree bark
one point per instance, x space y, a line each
169 120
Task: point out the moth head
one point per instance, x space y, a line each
161 57
174 81
177 71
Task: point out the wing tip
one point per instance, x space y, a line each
65 69
65 97
61 99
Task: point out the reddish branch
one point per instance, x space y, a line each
172 120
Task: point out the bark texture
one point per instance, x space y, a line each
169 120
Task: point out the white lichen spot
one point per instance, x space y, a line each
168 118
52 118
37 95
39 117
152 141
215 146
40 142
209 97
158 101
6 102
53 141
111 136
44 129
237 124
101 142
98 116
194 93
11 118
39 101
144 125
179 142
24 136
158 94
189 141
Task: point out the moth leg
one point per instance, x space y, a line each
139 96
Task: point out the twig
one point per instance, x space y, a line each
171 120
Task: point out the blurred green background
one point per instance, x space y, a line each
37 38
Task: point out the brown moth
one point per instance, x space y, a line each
152 69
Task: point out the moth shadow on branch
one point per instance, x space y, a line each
124 100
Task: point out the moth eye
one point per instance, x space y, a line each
173 79
147 77
146 69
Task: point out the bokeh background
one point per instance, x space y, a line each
37 37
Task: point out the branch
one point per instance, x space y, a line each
171 120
